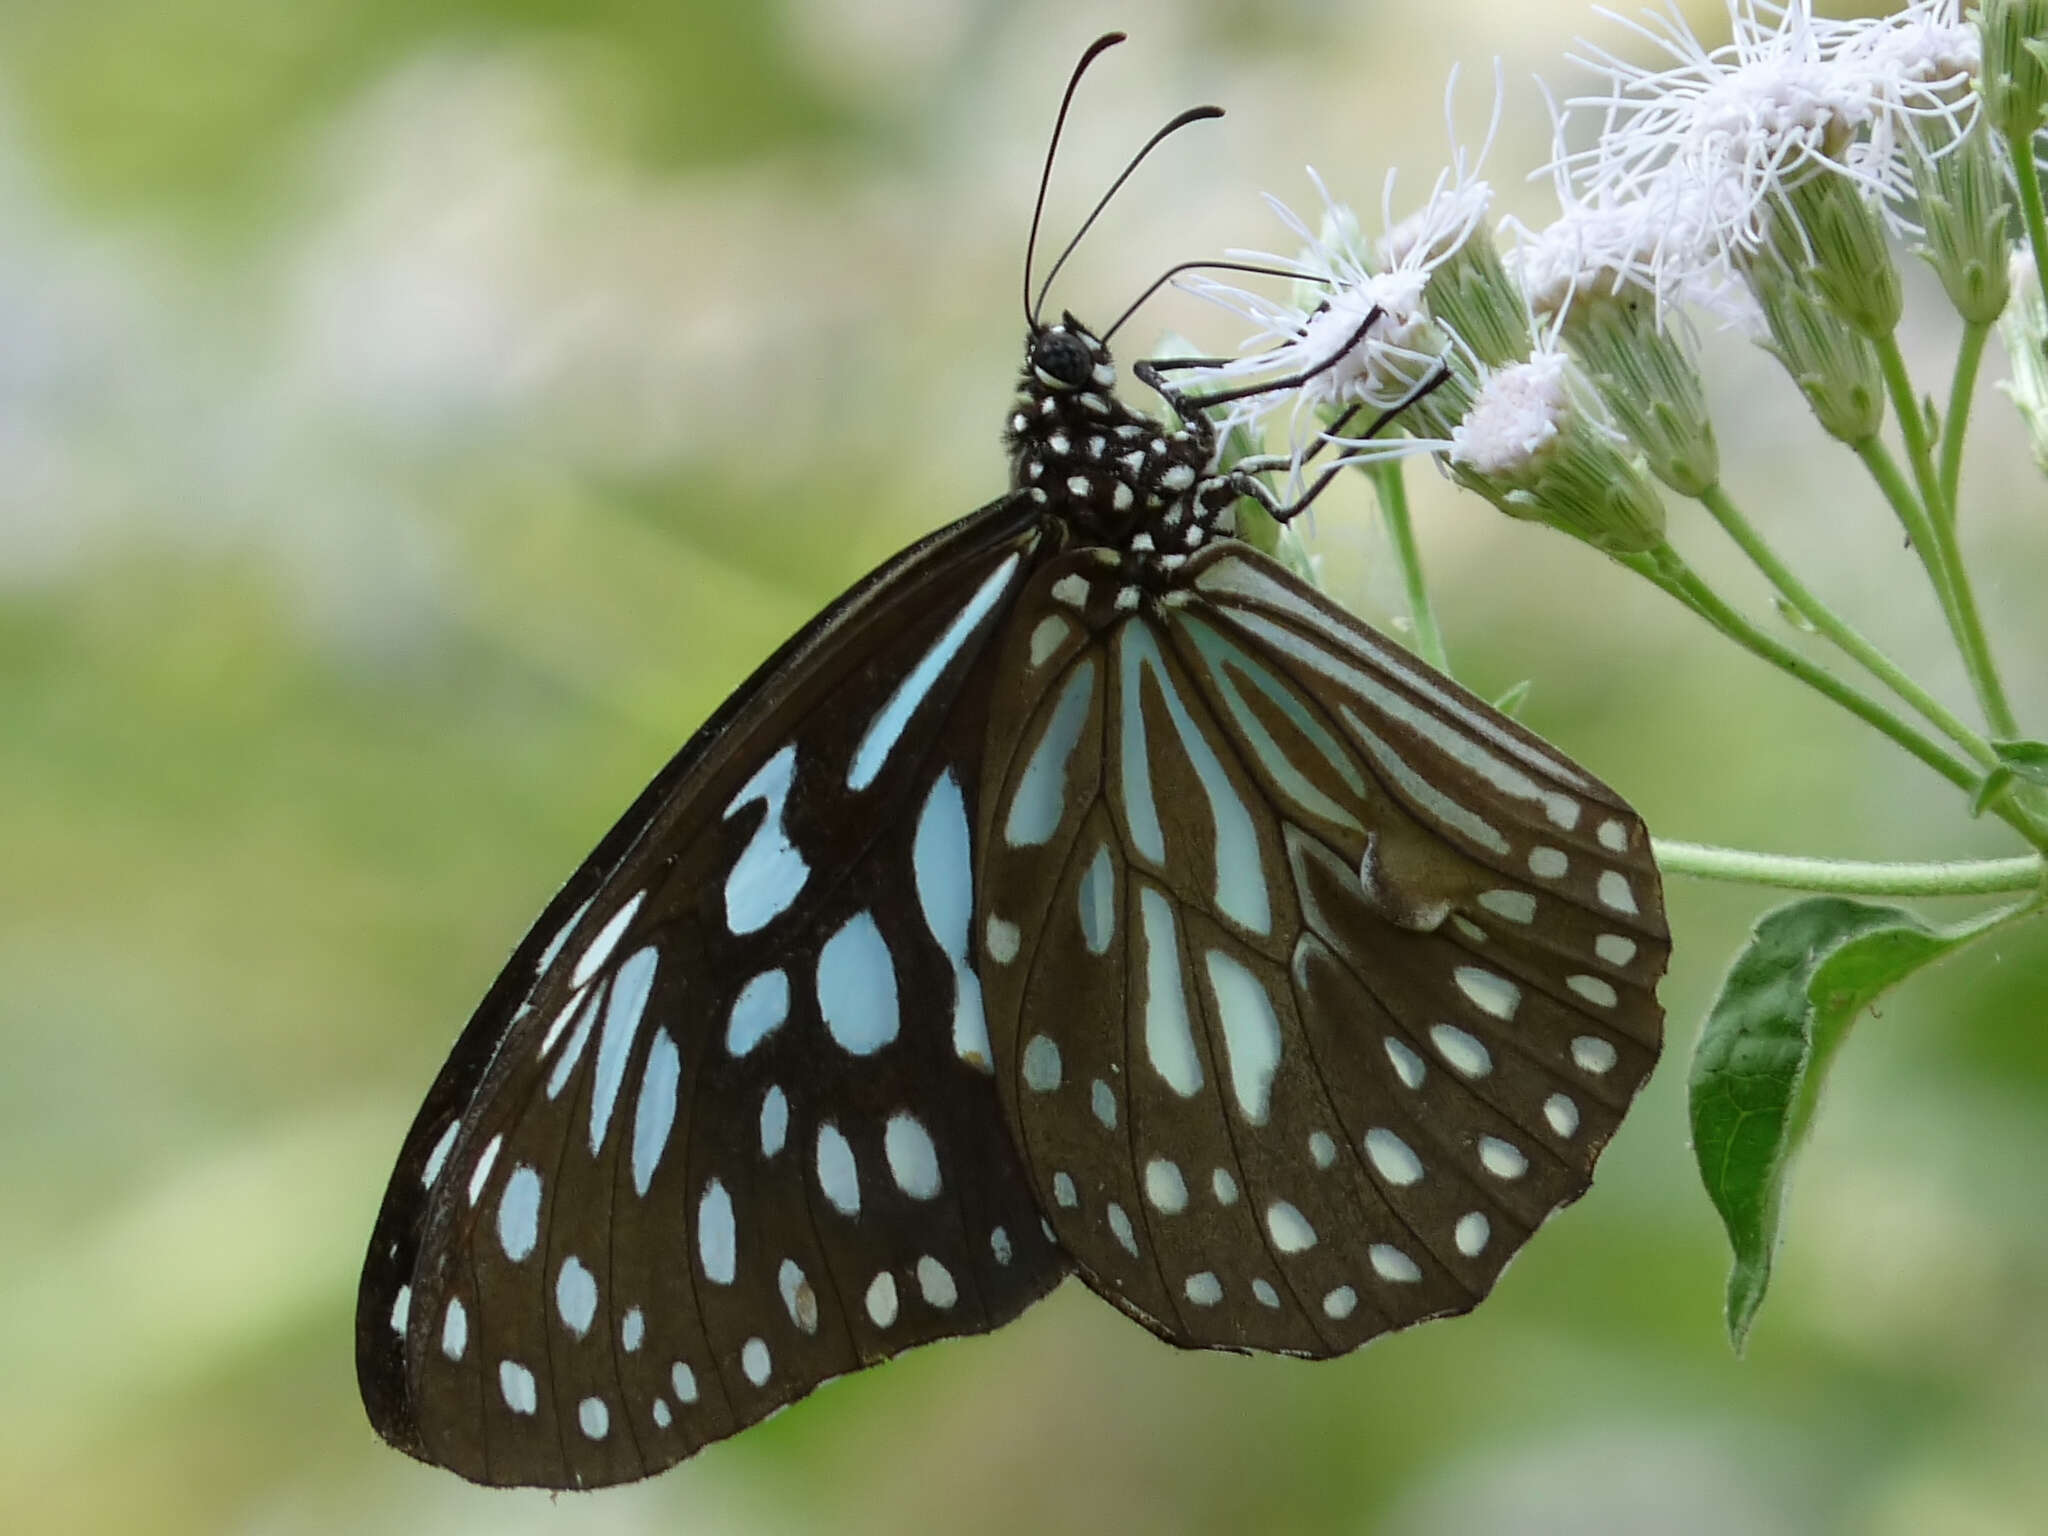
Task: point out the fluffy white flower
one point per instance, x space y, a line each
1722 131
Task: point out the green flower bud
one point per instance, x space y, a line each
1470 291
1822 229
1835 367
2014 81
1531 446
1966 211
1649 384
2023 328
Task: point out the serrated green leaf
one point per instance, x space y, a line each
1808 970
1511 702
2023 759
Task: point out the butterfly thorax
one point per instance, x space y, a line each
1118 479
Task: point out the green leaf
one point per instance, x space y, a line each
1990 789
1809 969
2024 759
1511 702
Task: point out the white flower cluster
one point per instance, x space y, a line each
1693 169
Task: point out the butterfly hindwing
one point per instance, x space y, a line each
725 1127
1328 983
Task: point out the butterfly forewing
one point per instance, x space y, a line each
726 1127
1317 984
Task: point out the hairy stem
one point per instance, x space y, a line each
1956 421
1392 490
1851 877
1838 630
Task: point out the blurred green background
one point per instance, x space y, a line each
415 417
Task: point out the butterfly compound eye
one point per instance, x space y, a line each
1061 359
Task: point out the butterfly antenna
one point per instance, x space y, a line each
1192 115
1101 45
1175 270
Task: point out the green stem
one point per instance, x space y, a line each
1392 489
1970 637
1919 531
1912 423
2028 177
1956 420
1837 629
1851 877
1944 553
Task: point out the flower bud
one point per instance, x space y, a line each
1823 229
1530 446
1649 384
2014 82
2023 328
1835 367
1965 208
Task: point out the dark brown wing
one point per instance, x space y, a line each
1328 982
725 1127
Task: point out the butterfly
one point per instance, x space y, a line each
1082 893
